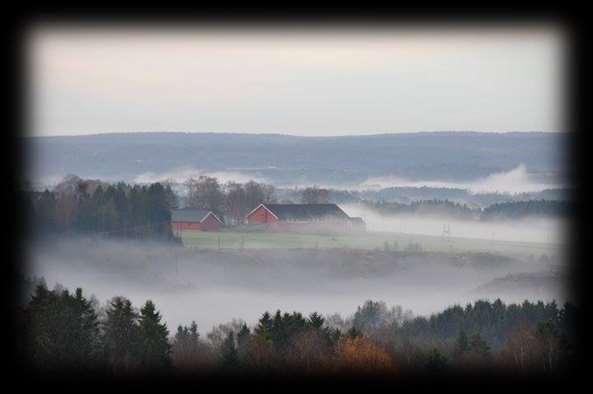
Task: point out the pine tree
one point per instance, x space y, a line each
154 345
479 346
462 343
121 334
316 320
62 329
193 335
437 362
264 326
353 333
243 337
186 346
229 353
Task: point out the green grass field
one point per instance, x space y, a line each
369 240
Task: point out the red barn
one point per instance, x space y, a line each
306 217
194 220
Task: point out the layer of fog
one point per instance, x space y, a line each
515 181
532 229
212 287
182 174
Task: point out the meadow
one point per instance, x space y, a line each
366 240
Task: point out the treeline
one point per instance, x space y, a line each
507 210
425 207
68 331
231 201
65 331
143 211
521 209
408 194
234 201
124 211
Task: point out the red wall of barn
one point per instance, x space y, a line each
181 226
210 224
260 216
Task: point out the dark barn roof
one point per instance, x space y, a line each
306 211
190 215
357 220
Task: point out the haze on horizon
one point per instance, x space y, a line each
323 82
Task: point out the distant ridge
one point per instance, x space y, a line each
289 159
442 132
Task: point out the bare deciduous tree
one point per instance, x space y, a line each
315 195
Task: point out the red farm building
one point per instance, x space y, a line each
303 217
190 219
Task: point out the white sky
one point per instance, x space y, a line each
318 82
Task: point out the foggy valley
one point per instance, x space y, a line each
503 239
212 286
247 204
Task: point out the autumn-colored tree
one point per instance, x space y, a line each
311 351
259 355
520 348
361 355
548 339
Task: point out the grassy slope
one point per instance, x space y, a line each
369 240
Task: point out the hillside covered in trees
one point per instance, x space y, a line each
63 331
499 211
293 160
92 207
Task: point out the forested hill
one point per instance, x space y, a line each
453 156
506 210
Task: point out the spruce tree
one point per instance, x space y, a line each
264 326
316 320
462 343
62 330
154 344
194 336
243 334
229 353
120 339
353 333
437 362
479 346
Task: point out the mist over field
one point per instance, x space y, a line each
516 180
215 286
531 229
